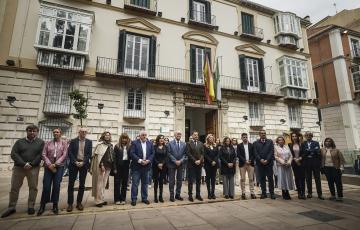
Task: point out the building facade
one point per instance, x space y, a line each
335 54
140 64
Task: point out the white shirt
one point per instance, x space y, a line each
246 147
143 145
125 155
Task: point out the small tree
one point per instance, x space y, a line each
80 103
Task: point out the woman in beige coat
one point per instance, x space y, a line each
102 161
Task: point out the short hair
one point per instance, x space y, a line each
82 129
243 134
102 137
194 131
262 130
177 132
332 142
279 137
32 127
57 128
142 132
309 133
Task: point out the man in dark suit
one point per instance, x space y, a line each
195 153
177 154
357 165
141 153
246 156
79 153
310 154
264 153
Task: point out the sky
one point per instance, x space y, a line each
316 9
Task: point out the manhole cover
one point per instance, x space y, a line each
320 216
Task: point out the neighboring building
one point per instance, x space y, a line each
142 61
335 55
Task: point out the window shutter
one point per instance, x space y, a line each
191 9
152 57
243 78
208 12
121 51
261 75
192 63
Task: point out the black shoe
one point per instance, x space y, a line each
161 199
213 196
41 210
191 199
272 196
69 208
146 202
321 197
263 196
99 205
209 197
179 198
309 196
8 213
253 196
172 199
243 196
104 203
133 203
55 209
226 197
31 211
231 197
156 200
199 198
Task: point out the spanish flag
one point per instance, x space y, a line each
209 82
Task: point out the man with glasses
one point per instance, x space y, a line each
310 154
26 154
264 153
141 153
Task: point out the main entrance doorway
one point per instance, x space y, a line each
202 120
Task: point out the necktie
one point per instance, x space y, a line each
195 143
178 146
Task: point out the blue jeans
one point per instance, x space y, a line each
51 185
137 175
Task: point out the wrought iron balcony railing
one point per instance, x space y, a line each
117 68
251 32
60 60
296 124
148 6
201 18
137 114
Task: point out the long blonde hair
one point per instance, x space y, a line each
207 143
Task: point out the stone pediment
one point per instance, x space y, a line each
250 48
139 24
200 36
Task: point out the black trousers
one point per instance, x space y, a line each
158 177
73 172
194 175
299 174
210 179
333 176
266 172
121 178
312 167
179 177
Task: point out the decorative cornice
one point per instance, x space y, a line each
211 39
129 22
255 49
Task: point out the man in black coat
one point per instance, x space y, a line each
246 156
310 154
79 152
264 153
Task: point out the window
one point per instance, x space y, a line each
46 127
252 74
287 23
247 21
197 61
136 55
57 98
135 104
132 131
356 77
256 114
64 29
141 3
199 12
295 120
355 47
293 72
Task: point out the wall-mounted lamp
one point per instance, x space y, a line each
10 62
167 113
302 50
182 20
245 118
236 33
282 121
11 100
100 106
268 41
159 14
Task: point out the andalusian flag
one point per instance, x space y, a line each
217 85
209 82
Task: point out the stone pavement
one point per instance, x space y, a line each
221 214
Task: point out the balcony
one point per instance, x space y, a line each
253 32
143 6
60 60
287 41
257 121
200 18
108 67
356 80
356 55
295 124
134 114
291 92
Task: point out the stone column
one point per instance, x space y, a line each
223 119
179 110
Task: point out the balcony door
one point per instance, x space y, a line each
199 12
247 21
252 74
137 55
141 3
